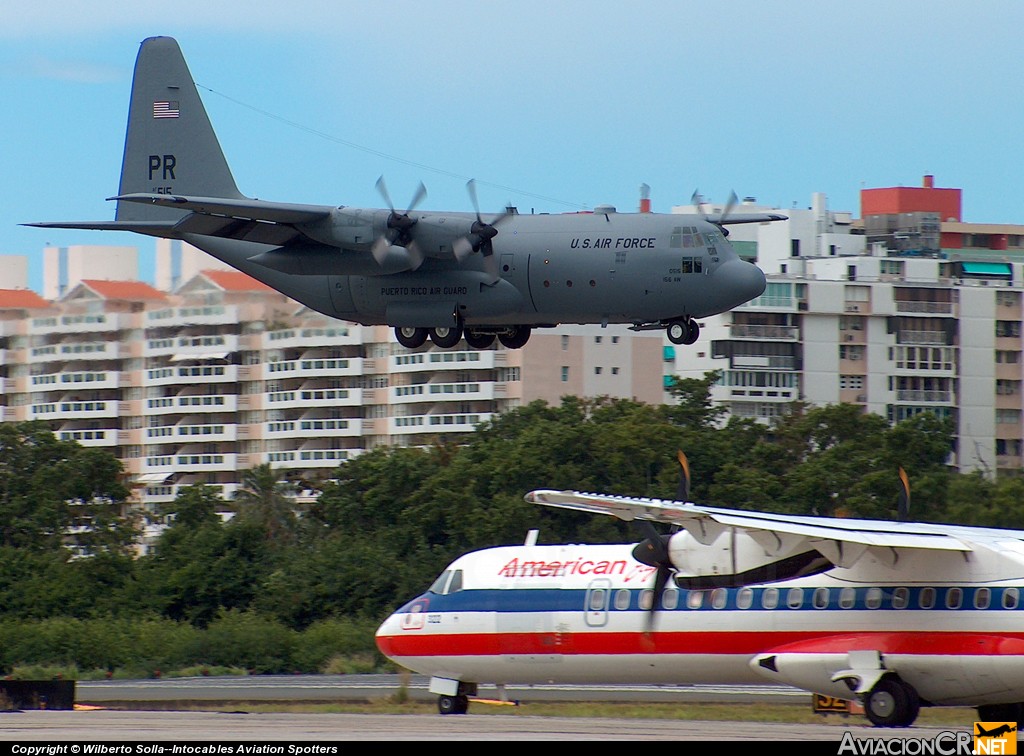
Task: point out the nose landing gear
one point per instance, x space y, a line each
683 331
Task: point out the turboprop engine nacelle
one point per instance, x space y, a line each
735 558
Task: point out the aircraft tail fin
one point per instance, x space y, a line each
170 146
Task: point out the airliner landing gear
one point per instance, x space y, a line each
446 338
892 703
411 338
453 704
515 338
478 339
1012 712
683 331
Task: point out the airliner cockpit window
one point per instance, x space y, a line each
456 584
438 586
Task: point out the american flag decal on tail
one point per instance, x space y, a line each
165 109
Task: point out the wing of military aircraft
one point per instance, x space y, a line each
438 275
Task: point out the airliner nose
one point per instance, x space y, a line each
746 280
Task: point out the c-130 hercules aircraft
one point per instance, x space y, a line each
442 275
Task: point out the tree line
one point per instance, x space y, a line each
392 518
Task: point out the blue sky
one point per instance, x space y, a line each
554 106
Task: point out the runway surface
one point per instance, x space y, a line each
175 727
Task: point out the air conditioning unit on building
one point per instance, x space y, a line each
847 337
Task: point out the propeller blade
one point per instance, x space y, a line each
729 207
903 507
383 189
417 198
491 267
660 581
462 248
683 492
698 202
471 188
415 255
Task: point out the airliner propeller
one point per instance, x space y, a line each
653 551
399 231
480 236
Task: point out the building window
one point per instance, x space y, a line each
565 373
565 343
597 371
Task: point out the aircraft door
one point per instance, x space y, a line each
341 294
595 608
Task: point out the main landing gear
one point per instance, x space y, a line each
892 703
511 337
683 331
453 704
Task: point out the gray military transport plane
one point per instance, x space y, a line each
442 275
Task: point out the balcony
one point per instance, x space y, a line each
310 338
90 438
924 308
443 360
188 374
921 337
73 410
315 428
315 367
305 398
764 332
914 395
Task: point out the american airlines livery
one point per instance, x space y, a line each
896 615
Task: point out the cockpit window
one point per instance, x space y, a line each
438 586
456 584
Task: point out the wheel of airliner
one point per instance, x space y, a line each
1011 712
446 338
892 703
477 340
693 332
678 332
517 338
453 704
411 338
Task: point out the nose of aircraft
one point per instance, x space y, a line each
746 280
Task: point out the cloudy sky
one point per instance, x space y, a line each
555 106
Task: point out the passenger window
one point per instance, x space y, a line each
597 600
795 598
873 598
1011 596
744 598
694 599
847 598
622 599
770 598
900 598
718 598
927 598
982 598
456 584
821 598
954 597
670 599
646 599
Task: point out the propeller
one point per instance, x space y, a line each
698 200
653 551
399 229
480 236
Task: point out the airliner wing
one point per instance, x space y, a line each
842 541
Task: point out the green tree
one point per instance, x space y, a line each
263 498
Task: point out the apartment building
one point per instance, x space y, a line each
933 324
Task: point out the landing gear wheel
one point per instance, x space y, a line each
694 332
446 338
453 704
683 332
1011 712
516 338
477 340
411 338
892 703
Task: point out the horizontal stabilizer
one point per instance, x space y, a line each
249 209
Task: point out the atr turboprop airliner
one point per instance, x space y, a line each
894 614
